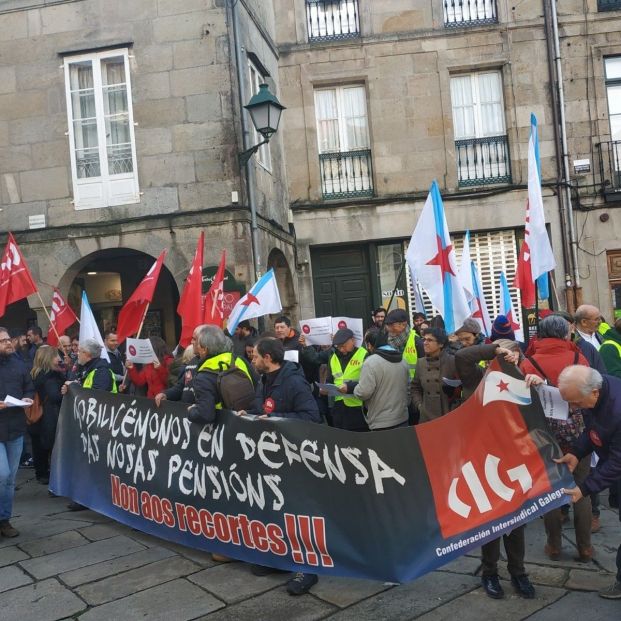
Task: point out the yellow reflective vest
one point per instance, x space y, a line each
88 381
409 353
350 374
222 362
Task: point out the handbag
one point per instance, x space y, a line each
35 411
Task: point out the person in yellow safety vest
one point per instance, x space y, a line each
213 350
403 338
344 366
95 374
610 349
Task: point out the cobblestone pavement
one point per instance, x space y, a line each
84 566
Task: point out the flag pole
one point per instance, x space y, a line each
394 290
537 308
48 316
144 317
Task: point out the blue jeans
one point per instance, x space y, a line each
10 453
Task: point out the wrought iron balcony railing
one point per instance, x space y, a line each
483 161
346 175
609 5
609 155
332 20
461 13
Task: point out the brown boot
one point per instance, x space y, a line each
553 553
585 555
6 530
220 558
595 524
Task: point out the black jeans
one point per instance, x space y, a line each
514 547
40 457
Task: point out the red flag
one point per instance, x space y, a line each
61 317
16 282
190 307
523 276
214 307
133 311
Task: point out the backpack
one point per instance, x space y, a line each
35 411
235 388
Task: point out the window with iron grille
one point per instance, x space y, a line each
610 151
609 5
343 139
332 20
101 129
463 13
481 146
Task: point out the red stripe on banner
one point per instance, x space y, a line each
305 534
319 529
296 550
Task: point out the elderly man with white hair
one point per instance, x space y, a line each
599 397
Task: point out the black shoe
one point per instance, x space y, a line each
523 586
492 587
27 463
301 583
262 570
76 506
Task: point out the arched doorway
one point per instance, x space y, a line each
284 279
110 277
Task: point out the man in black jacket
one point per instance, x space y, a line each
284 392
15 382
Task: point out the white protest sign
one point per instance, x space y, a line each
317 331
140 351
292 355
355 325
554 406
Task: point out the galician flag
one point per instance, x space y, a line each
465 270
262 299
536 256
478 305
89 328
431 257
506 308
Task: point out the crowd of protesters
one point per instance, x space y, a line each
399 375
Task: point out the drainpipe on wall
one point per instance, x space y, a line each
566 179
249 168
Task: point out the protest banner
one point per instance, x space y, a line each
317 331
355 325
306 497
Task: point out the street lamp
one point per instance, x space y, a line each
265 111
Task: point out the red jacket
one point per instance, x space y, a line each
155 379
552 355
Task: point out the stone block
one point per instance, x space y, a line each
13 26
65 18
218 163
151 86
12 577
135 580
90 554
15 158
204 107
7 80
153 58
114 566
153 141
173 168
187 600
55 543
197 136
343 592
179 27
575 605
36 129
44 183
11 555
215 194
104 531
50 154
275 605
588 580
4 133
43 601
233 582
194 53
23 105
160 112
192 81
175 7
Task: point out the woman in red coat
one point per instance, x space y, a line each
154 374
552 352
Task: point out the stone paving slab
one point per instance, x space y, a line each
97 532
343 592
476 605
410 600
233 582
60 562
463 565
197 556
589 581
178 599
55 543
275 605
10 555
36 528
114 566
135 580
580 606
47 600
541 574
12 577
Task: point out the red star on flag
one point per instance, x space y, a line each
502 386
442 259
250 299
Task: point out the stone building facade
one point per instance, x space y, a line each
119 133
384 97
